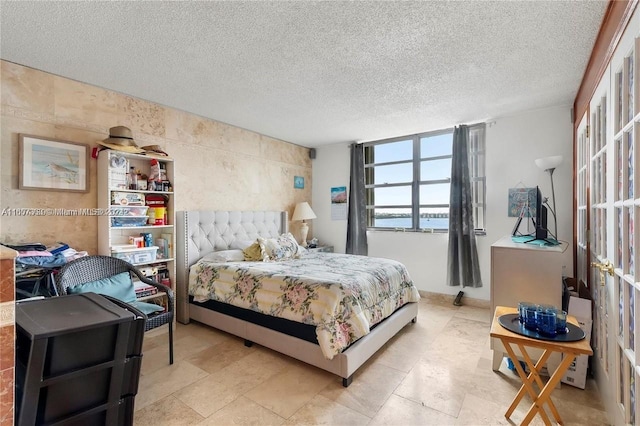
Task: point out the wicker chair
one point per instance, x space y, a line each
92 268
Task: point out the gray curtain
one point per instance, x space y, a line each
357 218
462 265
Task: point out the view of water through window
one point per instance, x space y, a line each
405 222
433 174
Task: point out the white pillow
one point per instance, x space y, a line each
224 256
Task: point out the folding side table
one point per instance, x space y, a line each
569 350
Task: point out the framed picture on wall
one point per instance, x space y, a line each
53 165
298 182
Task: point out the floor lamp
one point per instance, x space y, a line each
549 164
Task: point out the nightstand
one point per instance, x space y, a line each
323 249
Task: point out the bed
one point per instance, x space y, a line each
201 233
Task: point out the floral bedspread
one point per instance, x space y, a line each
342 295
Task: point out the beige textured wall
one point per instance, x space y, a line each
217 166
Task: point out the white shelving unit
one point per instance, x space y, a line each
112 169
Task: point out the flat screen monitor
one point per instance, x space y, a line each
541 217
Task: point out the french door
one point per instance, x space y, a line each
607 162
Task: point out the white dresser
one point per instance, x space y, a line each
524 273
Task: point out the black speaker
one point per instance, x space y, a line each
312 153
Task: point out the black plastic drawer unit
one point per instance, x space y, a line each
78 360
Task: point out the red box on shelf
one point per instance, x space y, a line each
157 209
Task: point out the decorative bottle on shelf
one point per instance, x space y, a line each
133 178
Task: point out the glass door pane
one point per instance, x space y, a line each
623 212
582 155
598 225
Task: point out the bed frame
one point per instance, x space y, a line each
202 232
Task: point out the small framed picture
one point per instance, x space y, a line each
298 182
53 165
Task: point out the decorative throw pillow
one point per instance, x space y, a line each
254 253
241 244
281 248
147 308
118 286
225 256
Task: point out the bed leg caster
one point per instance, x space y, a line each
415 320
346 382
248 343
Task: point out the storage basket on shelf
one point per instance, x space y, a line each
135 255
129 215
129 220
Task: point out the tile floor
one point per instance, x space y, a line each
434 372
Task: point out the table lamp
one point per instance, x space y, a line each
303 212
549 164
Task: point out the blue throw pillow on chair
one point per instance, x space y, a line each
118 286
147 308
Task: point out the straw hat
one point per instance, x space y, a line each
154 150
121 139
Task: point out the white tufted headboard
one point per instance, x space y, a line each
201 232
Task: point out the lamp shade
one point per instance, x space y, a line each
303 212
547 163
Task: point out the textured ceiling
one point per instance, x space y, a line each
314 73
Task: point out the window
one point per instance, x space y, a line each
407 180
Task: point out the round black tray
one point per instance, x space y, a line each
512 323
